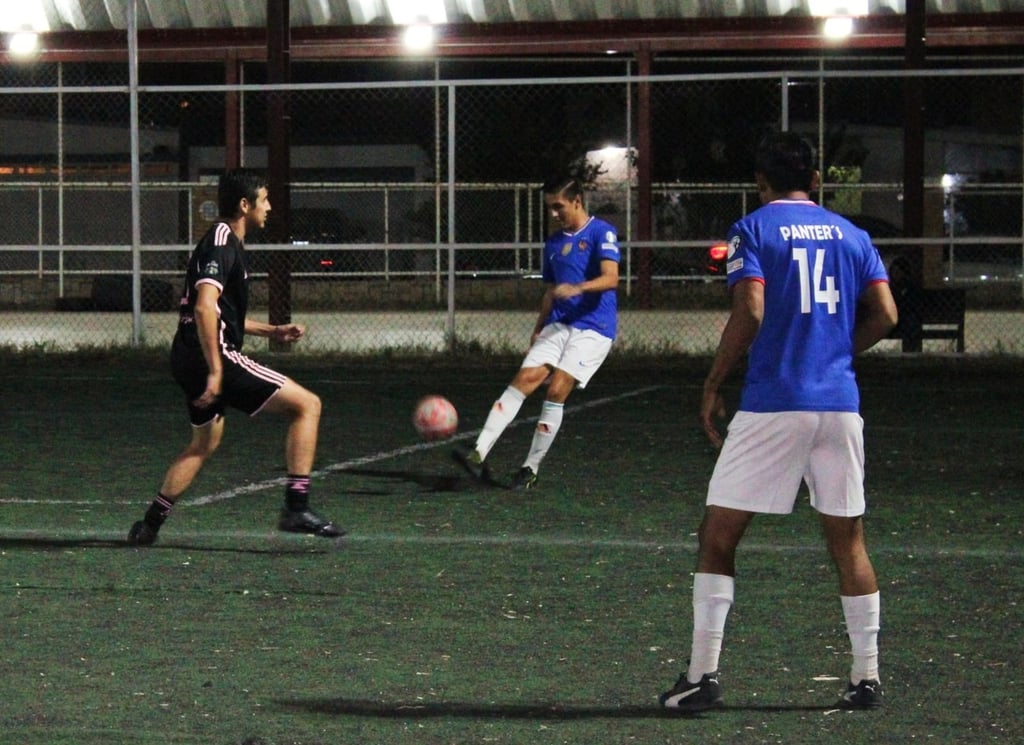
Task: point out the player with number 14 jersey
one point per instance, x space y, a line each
814 265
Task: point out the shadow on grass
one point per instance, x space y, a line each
430 482
550 712
58 544
38 543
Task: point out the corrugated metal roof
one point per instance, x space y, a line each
99 15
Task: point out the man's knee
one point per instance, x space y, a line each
313 405
561 385
204 443
295 401
528 379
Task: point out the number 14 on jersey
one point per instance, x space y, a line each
826 293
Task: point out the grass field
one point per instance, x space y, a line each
457 614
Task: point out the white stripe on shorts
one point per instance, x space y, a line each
260 371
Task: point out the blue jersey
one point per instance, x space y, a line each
576 257
814 265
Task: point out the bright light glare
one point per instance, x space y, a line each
23 15
613 164
839 27
951 181
419 37
827 8
405 12
23 43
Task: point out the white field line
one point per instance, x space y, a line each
353 463
387 454
270 540
76 502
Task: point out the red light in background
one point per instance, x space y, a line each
718 252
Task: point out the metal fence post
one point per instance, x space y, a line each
450 322
136 198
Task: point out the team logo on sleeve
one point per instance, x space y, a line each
734 245
610 242
212 269
733 264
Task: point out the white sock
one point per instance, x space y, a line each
863 621
547 427
501 415
712 599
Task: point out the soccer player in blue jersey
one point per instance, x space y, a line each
809 291
573 334
207 362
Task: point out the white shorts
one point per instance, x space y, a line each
765 456
574 351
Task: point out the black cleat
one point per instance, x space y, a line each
142 534
865 695
307 521
472 464
525 478
686 697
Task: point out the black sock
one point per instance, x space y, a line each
296 494
158 511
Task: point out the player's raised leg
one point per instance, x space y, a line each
560 385
502 413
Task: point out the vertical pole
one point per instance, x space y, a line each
232 113
136 201
644 172
821 130
784 117
913 143
60 179
437 181
913 122
241 117
450 325
628 227
279 163
387 235
40 233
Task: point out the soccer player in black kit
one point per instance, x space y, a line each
207 362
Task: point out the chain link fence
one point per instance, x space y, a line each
415 215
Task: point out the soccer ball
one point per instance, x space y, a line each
435 418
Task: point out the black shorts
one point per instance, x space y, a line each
247 385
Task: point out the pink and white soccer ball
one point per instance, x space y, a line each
435 418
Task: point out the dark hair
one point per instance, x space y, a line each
570 186
786 160
235 186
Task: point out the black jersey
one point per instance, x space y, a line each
218 259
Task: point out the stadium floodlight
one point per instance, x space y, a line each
838 15
22 22
23 43
838 27
419 37
613 164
